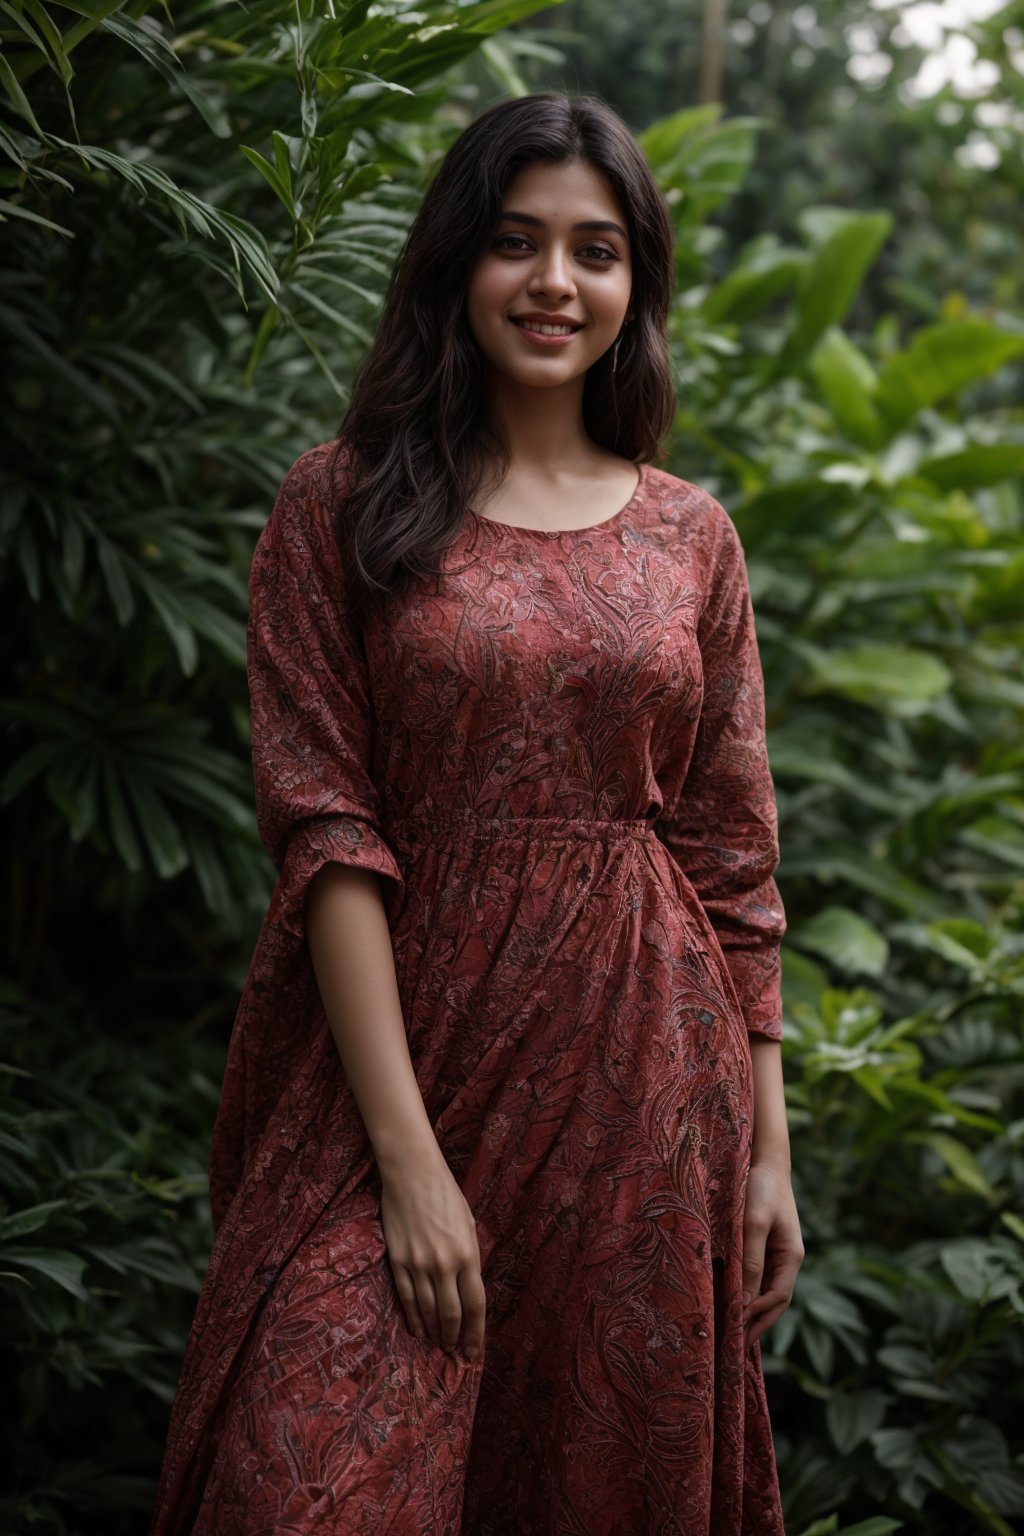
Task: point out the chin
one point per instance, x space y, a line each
543 378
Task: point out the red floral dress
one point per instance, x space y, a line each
553 755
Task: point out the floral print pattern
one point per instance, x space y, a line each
553 755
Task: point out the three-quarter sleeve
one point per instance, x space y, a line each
723 832
311 710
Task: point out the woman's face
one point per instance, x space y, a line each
542 264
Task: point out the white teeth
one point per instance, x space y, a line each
546 330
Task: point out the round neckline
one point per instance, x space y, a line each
570 533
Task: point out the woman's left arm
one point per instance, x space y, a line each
723 834
773 1248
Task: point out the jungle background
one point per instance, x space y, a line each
200 207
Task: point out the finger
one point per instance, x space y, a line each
765 1302
407 1296
764 1322
784 1273
754 1238
449 1308
474 1306
784 1267
774 1300
427 1305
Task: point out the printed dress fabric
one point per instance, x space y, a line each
553 756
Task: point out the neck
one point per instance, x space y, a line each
543 427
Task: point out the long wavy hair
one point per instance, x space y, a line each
419 432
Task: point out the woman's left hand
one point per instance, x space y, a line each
773 1248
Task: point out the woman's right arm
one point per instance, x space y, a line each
428 1226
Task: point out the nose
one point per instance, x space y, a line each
552 275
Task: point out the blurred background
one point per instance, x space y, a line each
201 204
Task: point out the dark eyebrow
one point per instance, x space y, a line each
528 218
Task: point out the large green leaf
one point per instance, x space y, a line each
940 361
843 937
845 245
848 381
880 675
980 465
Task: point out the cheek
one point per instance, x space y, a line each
492 286
610 298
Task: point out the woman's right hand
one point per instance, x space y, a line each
435 1259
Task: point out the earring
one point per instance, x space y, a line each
615 349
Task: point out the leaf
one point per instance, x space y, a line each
28 767
848 940
871 1080
1014 1222
959 1159
973 1266
19 1223
852 1416
209 868
73 552
960 941
28 559
282 157
818 1342
878 673
758 279
982 464
980 1453
906 1360
137 363
940 361
174 613
833 273
143 36
272 176
9 210
64 1268
847 381
19 101
125 840
118 586
162 838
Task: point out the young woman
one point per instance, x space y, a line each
500 1172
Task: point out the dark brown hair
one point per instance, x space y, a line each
419 431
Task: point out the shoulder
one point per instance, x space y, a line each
697 525
301 521
313 479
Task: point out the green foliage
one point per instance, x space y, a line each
103 1243
201 220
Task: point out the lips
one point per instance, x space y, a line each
530 324
545 341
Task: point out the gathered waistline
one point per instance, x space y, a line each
434 823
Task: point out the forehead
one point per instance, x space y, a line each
560 194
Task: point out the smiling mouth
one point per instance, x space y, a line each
545 328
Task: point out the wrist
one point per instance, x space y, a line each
407 1151
775 1156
